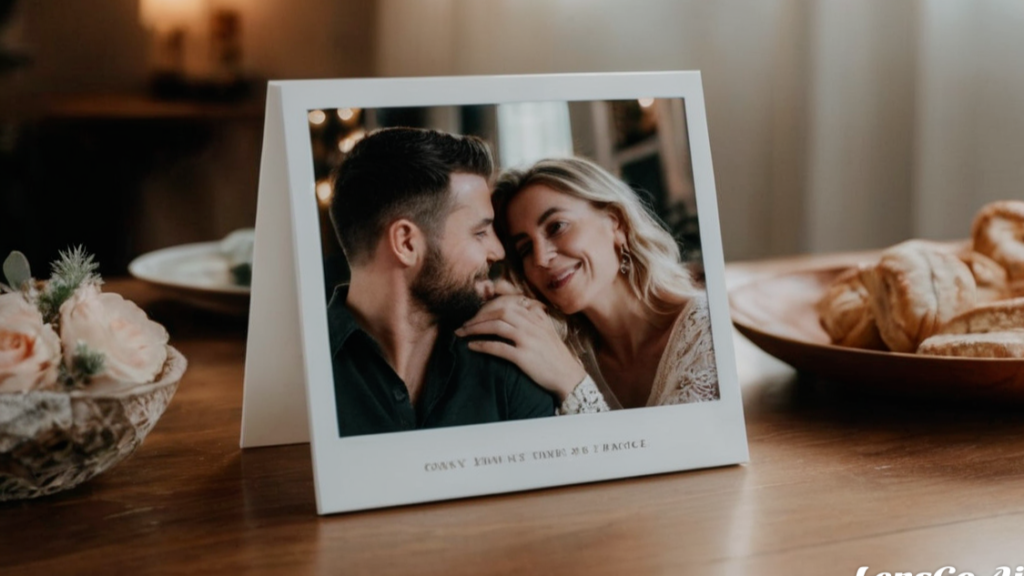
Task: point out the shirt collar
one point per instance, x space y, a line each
342 323
340 320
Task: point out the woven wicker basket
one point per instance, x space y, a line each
53 441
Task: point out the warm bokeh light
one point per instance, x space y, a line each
347 143
324 192
346 114
646 102
166 15
317 117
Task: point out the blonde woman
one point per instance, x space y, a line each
603 290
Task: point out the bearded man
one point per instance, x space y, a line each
412 210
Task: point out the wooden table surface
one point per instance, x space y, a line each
837 480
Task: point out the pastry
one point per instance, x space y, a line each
1016 288
993 317
998 232
1008 344
845 312
989 276
914 290
994 330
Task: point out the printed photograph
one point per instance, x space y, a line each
502 262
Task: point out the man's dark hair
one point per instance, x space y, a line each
400 173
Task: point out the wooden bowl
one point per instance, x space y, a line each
53 441
777 314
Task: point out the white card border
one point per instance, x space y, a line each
390 469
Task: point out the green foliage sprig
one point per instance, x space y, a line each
17 272
85 363
74 268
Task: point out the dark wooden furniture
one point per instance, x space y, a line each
837 480
125 174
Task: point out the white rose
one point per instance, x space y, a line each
29 349
134 347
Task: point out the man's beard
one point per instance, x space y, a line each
451 302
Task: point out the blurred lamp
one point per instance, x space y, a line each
169 22
166 16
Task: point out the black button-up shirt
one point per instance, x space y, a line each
460 386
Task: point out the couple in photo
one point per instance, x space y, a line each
594 310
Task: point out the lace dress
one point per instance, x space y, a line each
686 372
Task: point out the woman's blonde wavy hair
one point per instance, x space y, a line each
657 277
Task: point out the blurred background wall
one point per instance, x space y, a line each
834 124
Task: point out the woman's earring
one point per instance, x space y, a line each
626 261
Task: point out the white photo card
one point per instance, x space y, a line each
605 223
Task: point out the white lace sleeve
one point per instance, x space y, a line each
586 398
687 371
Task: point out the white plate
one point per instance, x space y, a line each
195 273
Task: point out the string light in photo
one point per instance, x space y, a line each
317 117
348 142
324 192
348 115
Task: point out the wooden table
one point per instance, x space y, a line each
836 481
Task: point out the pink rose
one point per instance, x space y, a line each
134 347
29 349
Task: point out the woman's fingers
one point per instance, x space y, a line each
490 315
535 305
497 327
505 307
540 312
529 340
496 348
